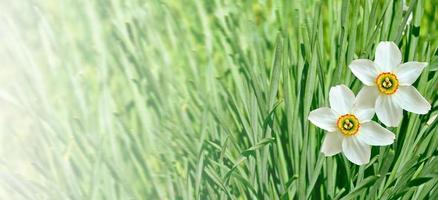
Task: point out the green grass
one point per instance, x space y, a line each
129 99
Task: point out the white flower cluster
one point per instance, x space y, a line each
387 92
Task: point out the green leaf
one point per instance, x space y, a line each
419 181
361 187
260 144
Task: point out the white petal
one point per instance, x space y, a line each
341 99
332 144
356 151
408 72
363 114
324 118
388 56
388 111
411 100
364 70
372 133
365 102
367 96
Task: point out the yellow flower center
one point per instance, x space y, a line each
387 83
348 124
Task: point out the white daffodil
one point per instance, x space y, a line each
388 84
349 126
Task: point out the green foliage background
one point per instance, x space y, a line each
191 99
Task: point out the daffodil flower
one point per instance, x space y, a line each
388 84
349 126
